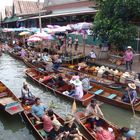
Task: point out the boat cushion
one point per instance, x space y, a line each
98 91
43 133
111 96
3 94
90 87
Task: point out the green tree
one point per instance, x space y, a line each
113 22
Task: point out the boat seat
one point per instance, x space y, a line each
111 96
98 92
3 94
43 133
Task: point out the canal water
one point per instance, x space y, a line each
14 128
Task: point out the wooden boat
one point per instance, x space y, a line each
81 119
110 96
15 55
38 128
8 101
36 75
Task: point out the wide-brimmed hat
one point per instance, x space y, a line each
76 82
55 122
132 85
69 119
129 47
25 83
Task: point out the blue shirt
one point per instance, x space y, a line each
130 133
38 110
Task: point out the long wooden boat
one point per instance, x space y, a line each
110 96
36 75
15 55
38 128
8 101
81 119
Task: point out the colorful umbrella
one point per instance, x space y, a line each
34 39
24 33
44 35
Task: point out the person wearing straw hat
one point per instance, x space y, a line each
26 95
128 58
131 94
71 131
78 89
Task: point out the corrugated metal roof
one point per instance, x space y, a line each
59 2
26 7
67 12
8 11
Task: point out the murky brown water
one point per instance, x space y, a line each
12 74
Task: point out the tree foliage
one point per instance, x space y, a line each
113 22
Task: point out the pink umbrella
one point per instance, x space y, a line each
43 35
34 39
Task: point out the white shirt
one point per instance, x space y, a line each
79 91
96 111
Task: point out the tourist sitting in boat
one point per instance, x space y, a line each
38 110
71 131
57 132
59 81
128 133
131 94
103 134
75 77
26 95
86 82
94 110
78 89
47 123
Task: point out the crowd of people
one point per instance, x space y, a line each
68 130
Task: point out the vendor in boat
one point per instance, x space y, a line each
56 62
71 131
86 82
49 65
26 95
94 110
38 110
78 89
131 94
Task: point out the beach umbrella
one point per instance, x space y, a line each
34 39
24 33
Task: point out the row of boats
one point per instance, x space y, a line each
98 91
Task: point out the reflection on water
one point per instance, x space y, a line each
12 74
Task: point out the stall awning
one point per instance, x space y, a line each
67 12
12 19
